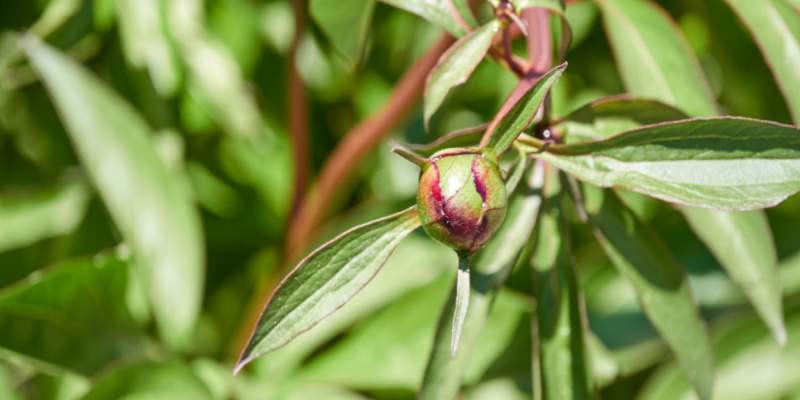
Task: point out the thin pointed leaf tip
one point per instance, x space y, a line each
326 280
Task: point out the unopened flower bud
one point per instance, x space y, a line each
461 199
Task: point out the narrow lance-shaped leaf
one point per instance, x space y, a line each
613 115
436 11
560 320
656 62
721 163
775 26
456 65
346 23
751 261
464 11
326 280
654 59
489 268
661 286
462 302
144 198
506 130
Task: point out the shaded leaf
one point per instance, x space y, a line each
510 125
661 286
612 115
437 12
722 163
775 26
559 318
326 280
152 381
456 65
346 23
72 316
45 214
654 59
750 364
144 198
489 269
747 253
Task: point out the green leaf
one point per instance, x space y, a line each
660 283
654 59
775 26
462 302
435 11
326 280
506 130
456 65
72 316
346 23
748 254
725 163
146 43
489 268
359 359
42 215
152 381
554 5
750 364
145 200
559 318
417 262
465 12
612 115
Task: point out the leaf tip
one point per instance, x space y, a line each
780 335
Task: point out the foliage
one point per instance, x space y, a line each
164 164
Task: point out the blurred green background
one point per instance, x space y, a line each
211 80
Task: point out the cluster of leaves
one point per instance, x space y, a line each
144 150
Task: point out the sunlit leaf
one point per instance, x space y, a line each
512 124
660 283
465 12
145 199
28 219
655 61
150 380
326 280
560 316
346 23
145 41
72 315
775 26
489 267
436 11
721 163
456 65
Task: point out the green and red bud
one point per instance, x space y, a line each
461 199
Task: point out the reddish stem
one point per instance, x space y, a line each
298 112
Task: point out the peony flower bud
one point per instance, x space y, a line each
461 198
